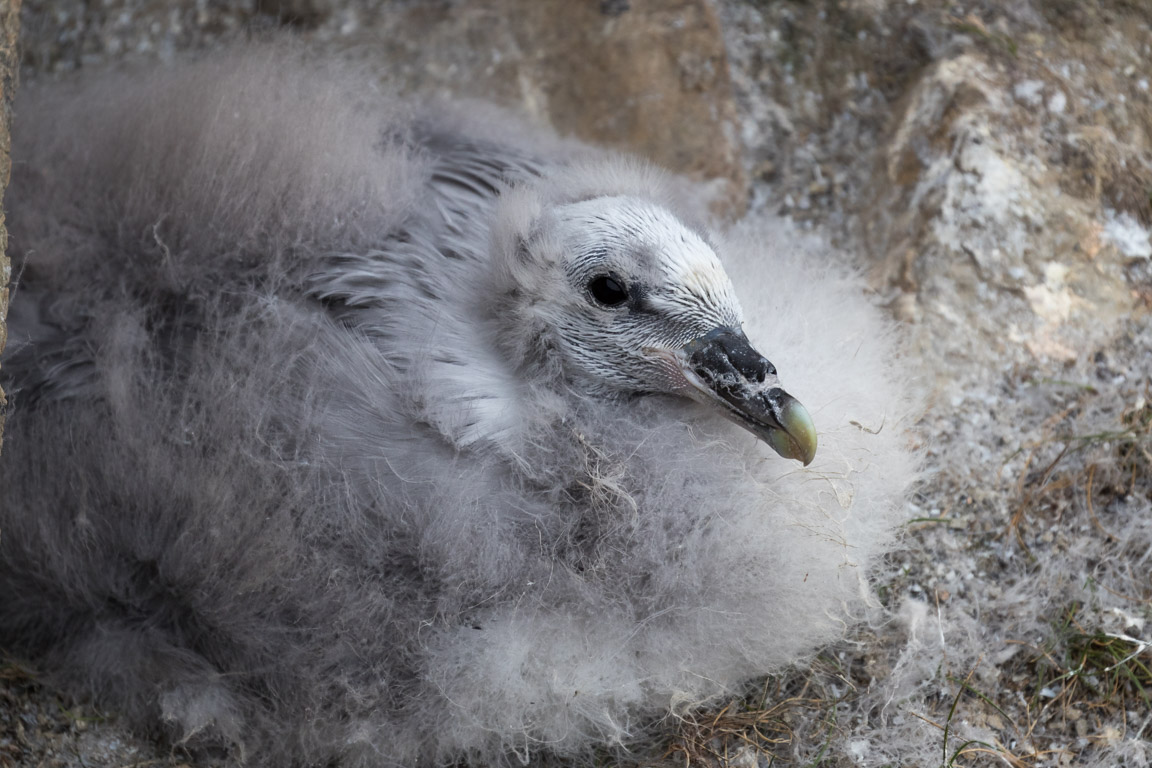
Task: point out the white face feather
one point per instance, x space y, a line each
676 289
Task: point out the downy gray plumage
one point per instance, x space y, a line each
342 430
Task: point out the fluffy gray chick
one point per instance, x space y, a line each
342 433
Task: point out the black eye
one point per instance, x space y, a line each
608 290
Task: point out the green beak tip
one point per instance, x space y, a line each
797 439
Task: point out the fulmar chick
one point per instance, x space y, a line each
348 433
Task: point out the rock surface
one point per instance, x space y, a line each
645 76
9 64
989 167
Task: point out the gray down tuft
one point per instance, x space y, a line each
315 455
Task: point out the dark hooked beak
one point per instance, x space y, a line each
723 369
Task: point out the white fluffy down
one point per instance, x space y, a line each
231 513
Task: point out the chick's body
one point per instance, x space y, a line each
345 432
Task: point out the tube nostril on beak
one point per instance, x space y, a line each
752 366
728 349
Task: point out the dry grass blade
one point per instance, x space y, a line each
715 739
